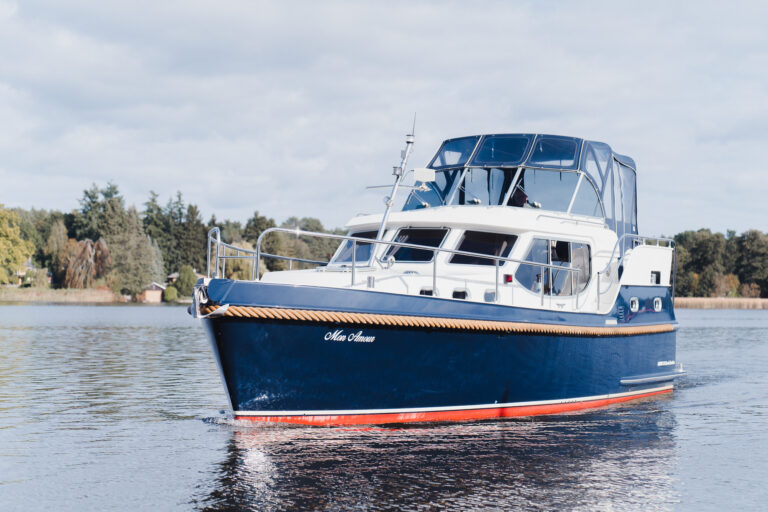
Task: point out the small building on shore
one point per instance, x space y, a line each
152 294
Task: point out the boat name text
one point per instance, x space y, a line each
356 337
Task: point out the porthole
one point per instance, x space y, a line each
657 304
634 304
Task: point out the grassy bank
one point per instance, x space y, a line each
720 303
10 294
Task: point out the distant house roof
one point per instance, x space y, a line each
175 275
155 286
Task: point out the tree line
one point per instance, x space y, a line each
104 243
722 265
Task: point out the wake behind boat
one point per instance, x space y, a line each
512 282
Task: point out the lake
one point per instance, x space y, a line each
122 408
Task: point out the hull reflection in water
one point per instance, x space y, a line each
618 458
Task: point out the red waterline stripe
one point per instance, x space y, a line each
462 415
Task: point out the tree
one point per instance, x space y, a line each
256 225
726 286
153 218
685 277
32 226
231 231
703 257
57 240
308 247
186 281
273 244
170 294
102 214
89 262
178 230
752 258
135 262
749 290
40 279
193 239
240 268
14 251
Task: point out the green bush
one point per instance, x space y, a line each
171 294
186 281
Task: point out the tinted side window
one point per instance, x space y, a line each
556 281
581 259
418 236
560 255
493 244
533 277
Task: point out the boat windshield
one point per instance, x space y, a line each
454 152
548 189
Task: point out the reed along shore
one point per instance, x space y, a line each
61 296
720 303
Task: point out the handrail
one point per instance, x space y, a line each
625 236
623 252
256 255
430 248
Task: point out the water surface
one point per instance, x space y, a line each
121 407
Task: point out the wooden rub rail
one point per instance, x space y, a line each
309 315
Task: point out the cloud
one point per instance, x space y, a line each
292 109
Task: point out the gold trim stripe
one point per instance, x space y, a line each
309 315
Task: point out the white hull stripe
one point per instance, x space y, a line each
452 407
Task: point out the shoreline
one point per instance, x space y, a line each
9 295
13 295
720 303
59 296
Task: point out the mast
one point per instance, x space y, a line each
399 173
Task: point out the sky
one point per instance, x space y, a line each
293 108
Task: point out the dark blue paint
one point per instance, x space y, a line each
282 365
270 365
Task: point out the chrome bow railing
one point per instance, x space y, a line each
220 252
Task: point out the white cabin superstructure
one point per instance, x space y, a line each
531 221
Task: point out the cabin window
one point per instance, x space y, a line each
431 237
581 259
362 251
492 244
484 186
586 201
454 152
505 150
436 193
558 152
548 190
572 277
533 277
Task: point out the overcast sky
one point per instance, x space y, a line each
292 108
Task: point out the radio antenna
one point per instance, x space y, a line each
399 172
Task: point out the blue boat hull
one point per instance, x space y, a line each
343 372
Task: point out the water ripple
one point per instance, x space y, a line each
122 408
